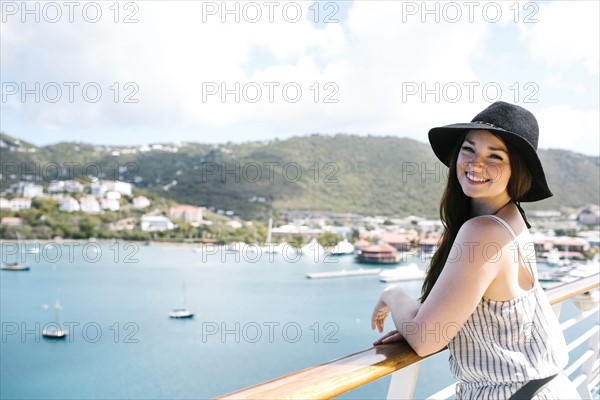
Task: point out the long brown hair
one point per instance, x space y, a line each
455 207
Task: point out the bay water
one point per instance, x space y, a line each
257 317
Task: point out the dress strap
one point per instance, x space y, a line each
516 244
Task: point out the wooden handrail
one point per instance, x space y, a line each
347 373
563 292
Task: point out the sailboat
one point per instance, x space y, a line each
183 312
269 246
55 331
14 266
342 248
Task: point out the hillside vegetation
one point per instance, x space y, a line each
341 173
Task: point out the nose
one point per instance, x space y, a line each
476 159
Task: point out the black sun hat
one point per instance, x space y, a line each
512 124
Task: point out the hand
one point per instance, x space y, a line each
382 310
380 313
390 337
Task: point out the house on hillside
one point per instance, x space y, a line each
154 223
89 204
68 204
140 202
188 213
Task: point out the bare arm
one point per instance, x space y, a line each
471 267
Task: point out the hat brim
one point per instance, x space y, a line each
443 141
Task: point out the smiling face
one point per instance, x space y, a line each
483 167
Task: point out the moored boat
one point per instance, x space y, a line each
342 248
54 330
14 267
408 272
343 273
181 313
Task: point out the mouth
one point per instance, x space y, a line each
476 179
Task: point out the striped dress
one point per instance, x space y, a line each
504 344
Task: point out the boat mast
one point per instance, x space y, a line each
269 230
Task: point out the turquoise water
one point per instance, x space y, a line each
257 318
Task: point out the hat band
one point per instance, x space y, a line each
486 123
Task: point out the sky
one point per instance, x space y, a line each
140 72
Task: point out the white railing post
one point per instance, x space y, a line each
585 302
404 382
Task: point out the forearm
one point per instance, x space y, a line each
404 310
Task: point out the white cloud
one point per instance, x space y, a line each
367 61
562 124
567 34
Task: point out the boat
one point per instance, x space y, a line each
379 254
343 273
270 247
314 249
555 257
55 331
14 267
584 270
410 272
183 312
342 248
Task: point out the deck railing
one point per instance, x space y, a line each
350 372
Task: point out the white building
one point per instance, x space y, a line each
140 202
110 204
30 190
234 224
190 214
98 189
20 203
113 195
68 204
56 187
73 187
118 186
152 223
65 186
89 204
4 203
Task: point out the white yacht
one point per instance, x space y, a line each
408 272
342 248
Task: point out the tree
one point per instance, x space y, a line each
328 239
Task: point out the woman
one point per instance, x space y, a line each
480 296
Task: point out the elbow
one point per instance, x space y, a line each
424 349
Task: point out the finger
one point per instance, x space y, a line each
393 338
376 316
384 337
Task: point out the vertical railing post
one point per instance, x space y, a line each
404 382
585 302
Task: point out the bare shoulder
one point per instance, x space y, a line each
483 229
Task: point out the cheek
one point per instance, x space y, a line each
460 169
461 164
498 173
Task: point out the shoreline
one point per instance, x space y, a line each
102 242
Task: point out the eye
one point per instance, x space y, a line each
467 148
496 157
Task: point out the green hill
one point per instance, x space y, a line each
341 173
